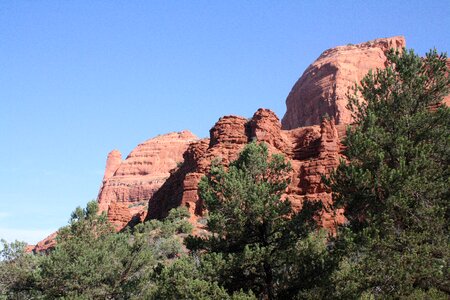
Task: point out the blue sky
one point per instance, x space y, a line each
80 78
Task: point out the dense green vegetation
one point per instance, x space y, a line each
91 261
257 242
394 189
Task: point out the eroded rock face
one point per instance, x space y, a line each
312 151
129 184
322 88
227 138
164 172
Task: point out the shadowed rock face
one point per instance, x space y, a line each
322 88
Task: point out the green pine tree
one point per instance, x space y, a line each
19 272
395 186
92 261
257 242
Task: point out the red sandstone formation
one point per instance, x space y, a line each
323 86
45 245
112 164
164 172
312 151
150 174
128 185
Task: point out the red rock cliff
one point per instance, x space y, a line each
128 185
112 164
312 151
323 86
163 173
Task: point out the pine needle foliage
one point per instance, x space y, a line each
395 185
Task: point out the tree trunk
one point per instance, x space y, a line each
269 281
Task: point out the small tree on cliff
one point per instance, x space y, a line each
257 242
395 187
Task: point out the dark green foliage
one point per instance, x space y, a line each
395 187
192 278
256 238
183 280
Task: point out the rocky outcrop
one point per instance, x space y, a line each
129 184
112 164
447 98
46 244
322 88
227 138
164 172
265 126
312 152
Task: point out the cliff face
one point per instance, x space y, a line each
323 86
312 151
129 184
164 172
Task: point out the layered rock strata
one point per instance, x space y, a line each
446 99
129 184
164 172
322 88
312 151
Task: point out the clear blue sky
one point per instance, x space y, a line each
80 78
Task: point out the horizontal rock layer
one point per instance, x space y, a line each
129 184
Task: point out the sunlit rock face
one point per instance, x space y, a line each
129 184
447 98
45 245
322 88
